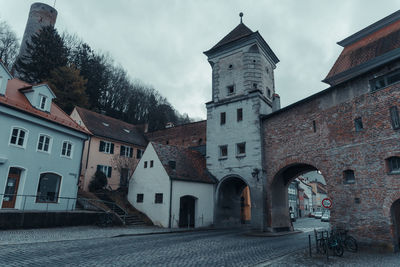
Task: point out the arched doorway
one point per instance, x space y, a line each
289 199
395 212
233 206
187 210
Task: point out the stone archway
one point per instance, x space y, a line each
232 195
277 195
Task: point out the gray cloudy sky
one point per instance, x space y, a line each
161 41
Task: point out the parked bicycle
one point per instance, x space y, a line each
330 241
348 242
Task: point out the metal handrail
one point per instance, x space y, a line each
76 199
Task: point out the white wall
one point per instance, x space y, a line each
204 205
149 181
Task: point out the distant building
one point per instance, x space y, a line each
293 195
40 148
114 148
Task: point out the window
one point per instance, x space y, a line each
223 118
230 66
139 153
105 169
145 164
394 115
139 198
385 80
358 124
314 125
106 147
66 150
394 165
44 143
151 163
126 151
254 86
42 104
239 114
241 149
48 189
348 177
268 92
158 198
18 137
223 151
230 89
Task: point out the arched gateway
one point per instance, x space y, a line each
350 131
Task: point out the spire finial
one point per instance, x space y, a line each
241 16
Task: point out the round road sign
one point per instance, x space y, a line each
327 203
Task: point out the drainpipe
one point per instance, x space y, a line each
170 203
263 183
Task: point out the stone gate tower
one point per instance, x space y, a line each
242 89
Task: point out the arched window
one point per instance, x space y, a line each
348 177
49 186
394 165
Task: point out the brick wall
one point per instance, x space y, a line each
187 135
335 146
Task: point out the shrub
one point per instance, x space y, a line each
99 181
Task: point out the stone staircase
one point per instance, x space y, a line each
127 218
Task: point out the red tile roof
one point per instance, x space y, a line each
17 100
375 44
116 129
189 165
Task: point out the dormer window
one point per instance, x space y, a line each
43 101
127 131
106 124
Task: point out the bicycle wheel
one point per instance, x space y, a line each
321 246
338 250
350 244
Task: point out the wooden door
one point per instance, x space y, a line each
186 211
10 194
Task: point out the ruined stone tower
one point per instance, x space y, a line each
242 89
40 15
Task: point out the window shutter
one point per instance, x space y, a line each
112 148
130 152
395 117
122 151
109 172
101 147
99 167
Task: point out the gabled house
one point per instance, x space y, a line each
172 186
40 148
114 148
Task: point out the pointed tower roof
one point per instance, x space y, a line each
240 31
241 35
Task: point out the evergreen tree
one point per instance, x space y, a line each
69 88
46 52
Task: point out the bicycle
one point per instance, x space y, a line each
349 243
332 242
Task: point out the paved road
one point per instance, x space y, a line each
204 248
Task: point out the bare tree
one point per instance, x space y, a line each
9 45
125 166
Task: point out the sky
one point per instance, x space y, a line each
161 42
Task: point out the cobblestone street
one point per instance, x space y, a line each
198 248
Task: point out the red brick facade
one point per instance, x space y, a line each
292 145
187 135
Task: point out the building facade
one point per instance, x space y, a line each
40 149
114 148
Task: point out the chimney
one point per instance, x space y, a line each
276 102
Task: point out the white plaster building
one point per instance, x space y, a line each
172 187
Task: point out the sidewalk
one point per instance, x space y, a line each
365 258
23 236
